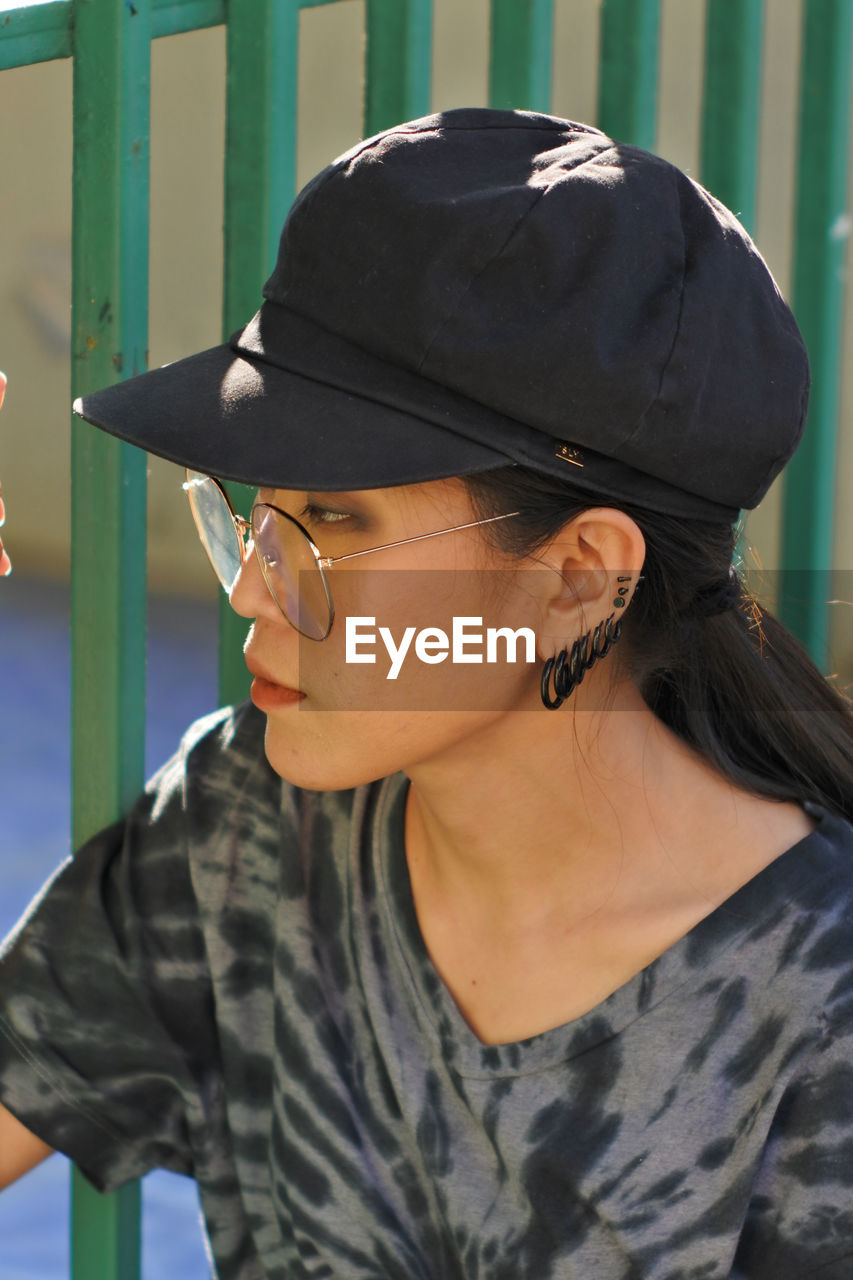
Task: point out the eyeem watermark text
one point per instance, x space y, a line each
467 642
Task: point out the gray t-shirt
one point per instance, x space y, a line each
232 984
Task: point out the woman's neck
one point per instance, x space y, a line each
582 847
582 810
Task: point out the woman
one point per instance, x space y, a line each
436 961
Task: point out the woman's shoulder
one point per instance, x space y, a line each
826 851
824 860
793 923
810 879
219 766
229 738
226 794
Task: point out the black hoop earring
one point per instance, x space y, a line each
573 671
569 669
551 703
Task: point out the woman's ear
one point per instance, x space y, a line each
597 559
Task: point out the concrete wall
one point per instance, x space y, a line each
186 216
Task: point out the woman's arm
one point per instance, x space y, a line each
20 1150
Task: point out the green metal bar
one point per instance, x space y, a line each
260 142
822 228
398 62
731 114
730 109
105 1232
174 17
628 71
521 54
109 340
42 32
38 33
260 183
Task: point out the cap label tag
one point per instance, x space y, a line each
569 453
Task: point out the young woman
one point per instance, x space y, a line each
445 958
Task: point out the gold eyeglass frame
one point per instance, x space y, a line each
244 528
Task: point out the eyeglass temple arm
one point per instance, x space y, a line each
326 562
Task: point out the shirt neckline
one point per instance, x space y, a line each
749 910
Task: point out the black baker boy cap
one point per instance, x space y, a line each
482 287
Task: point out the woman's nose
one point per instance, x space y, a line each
249 594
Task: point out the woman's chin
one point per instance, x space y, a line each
308 756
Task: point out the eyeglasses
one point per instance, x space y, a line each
293 567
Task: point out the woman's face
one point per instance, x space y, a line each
357 720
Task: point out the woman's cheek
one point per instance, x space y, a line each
419 640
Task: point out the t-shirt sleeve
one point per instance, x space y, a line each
107 1034
800 1217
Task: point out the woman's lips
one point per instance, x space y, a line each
268 694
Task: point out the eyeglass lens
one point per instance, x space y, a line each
291 572
215 525
284 551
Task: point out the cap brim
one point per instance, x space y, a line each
237 417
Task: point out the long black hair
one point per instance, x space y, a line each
735 685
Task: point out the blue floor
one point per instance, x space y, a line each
34 825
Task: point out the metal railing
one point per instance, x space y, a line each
109 42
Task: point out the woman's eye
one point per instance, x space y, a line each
314 514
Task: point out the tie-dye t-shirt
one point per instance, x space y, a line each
232 984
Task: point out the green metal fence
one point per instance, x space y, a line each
109 42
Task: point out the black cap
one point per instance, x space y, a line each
481 287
